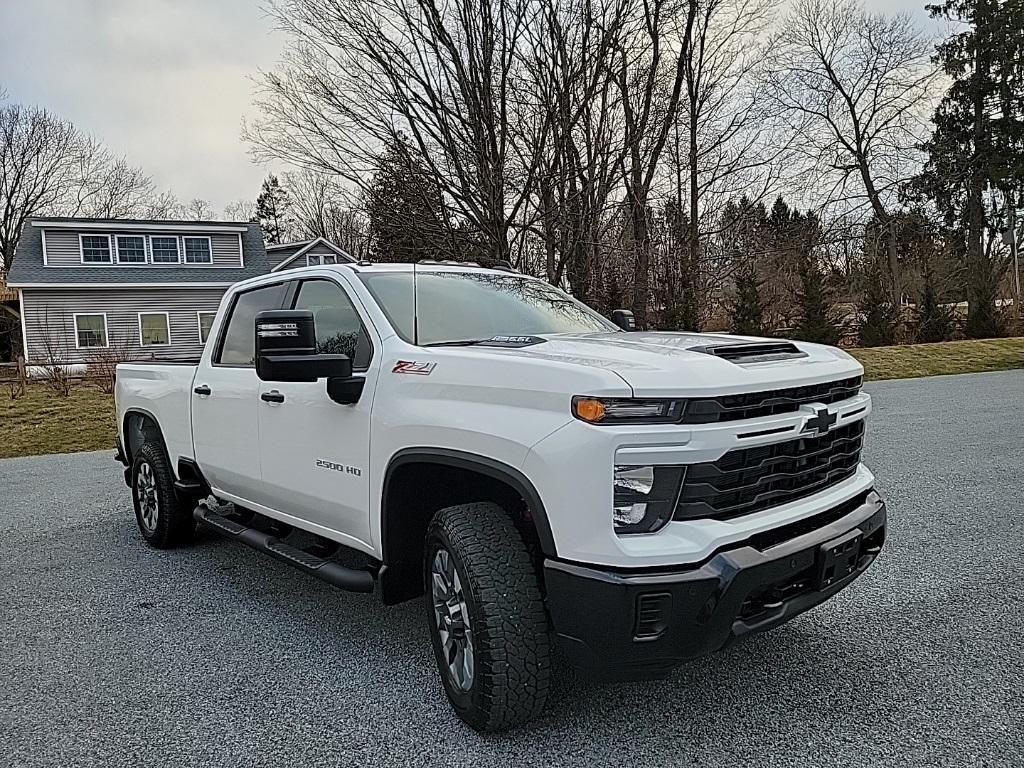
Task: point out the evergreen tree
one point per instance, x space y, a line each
747 309
934 321
879 318
406 211
975 150
814 304
272 210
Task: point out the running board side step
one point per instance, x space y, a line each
333 573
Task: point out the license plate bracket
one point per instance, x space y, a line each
837 559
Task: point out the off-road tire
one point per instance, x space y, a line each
510 627
174 525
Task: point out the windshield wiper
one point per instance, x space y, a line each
462 343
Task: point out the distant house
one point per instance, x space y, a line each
308 253
145 290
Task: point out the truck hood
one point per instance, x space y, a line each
659 364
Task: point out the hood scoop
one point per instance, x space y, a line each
752 352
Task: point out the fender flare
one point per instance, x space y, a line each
123 428
485 466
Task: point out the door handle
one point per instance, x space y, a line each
203 390
272 397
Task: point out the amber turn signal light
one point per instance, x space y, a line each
588 408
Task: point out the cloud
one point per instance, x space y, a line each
164 82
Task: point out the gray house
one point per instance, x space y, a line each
90 289
305 254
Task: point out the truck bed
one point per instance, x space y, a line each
163 391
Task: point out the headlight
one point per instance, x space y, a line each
627 410
645 497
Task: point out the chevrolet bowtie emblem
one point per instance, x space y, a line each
820 422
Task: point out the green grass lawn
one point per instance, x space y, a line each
936 359
40 422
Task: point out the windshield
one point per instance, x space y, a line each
475 306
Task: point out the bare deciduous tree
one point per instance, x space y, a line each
728 148
240 210
196 209
650 76
37 156
323 206
452 78
104 186
855 84
163 206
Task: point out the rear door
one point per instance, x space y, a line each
315 452
225 398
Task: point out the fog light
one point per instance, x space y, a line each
644 497
630 514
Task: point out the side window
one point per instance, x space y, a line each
339 331
238 346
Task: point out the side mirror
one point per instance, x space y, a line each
286 349
624 319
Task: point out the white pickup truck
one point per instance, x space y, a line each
545 477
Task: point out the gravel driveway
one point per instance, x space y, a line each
114 654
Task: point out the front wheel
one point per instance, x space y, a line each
487 620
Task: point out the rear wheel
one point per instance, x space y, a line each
163 520
487 620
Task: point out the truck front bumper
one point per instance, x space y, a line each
630 625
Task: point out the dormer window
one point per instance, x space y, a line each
164 250
315 259
95 249
131 249
197 250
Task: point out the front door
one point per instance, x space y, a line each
225 398
314 452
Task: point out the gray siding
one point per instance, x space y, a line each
320 249
63 248
48 315
278 255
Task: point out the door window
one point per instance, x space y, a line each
339 331
238 346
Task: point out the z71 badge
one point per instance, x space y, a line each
412 367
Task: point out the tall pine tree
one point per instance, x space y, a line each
934 322
406 211
815 304
878 317
747 308
976 152
272 210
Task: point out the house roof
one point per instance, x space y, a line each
28 268
300 249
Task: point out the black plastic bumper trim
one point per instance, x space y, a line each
737 592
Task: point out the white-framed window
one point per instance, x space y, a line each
90 330
95 249
131 249
316 259
154 329
163 249
198 250
205 324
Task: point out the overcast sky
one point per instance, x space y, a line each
165 82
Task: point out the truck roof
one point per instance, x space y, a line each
432 266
